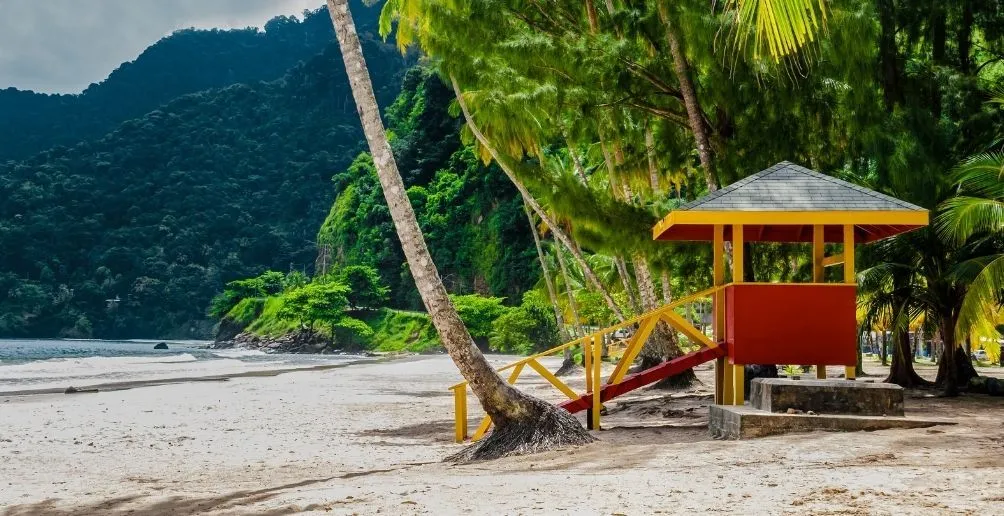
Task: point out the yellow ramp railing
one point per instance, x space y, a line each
592 351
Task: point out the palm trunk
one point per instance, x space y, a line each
667 289
902 372
694 113
562 333
523 424
955 368
558 233
884 350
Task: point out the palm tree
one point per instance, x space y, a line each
523 424
978 215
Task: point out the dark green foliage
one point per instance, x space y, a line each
131 235
185 62
267 284
367 290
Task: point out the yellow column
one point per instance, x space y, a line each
818 248
723 373
738 384
851 279
597 385
460 411
738 370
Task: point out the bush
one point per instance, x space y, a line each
526 329
479 313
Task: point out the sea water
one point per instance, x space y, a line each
45 364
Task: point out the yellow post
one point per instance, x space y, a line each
850 278
738 370
460 411
587 361
597 364
818 249
722 374
738 385
737 253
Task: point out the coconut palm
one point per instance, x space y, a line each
523 424
978 215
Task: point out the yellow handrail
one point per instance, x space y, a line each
592 351
609 329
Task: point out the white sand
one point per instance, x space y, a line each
367 439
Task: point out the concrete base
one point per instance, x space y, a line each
827 396
745 422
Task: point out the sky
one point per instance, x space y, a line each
62 46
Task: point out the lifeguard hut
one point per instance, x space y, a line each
753 322
787 323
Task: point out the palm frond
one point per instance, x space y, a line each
981 307
780 28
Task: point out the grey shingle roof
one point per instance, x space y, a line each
790 187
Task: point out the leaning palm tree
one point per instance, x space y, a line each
523 424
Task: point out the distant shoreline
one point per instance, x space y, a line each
134 384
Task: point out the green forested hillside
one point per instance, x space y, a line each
185 62
131 234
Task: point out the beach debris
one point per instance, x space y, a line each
73 390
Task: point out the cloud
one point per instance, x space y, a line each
61 46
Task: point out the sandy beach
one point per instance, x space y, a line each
369 438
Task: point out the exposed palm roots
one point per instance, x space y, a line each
545 428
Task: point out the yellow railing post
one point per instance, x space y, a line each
597 386
460 411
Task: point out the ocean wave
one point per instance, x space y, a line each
91 365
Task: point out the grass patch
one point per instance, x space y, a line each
268 324
398 330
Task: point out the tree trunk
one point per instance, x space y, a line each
663 344
562 333
653 170
694 113
964 37
572 304
523 424
884 350
948 373
576 163
902 372
625 276
560 235
667 289
889 54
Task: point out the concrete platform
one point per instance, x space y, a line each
746 422
827 396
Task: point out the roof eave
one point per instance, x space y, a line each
913 218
